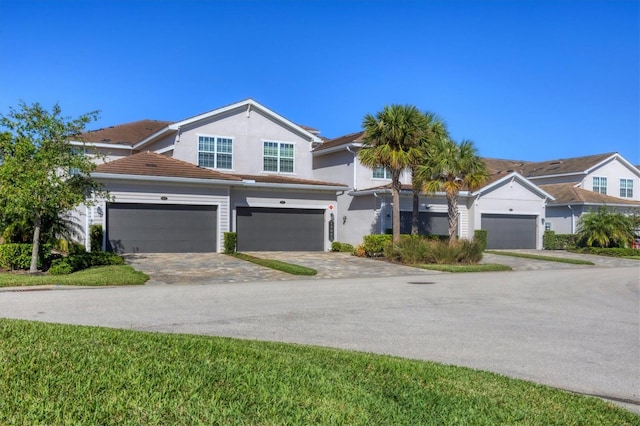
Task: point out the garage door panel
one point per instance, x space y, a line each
510 231
154 228
276 229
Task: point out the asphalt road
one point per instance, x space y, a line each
576 329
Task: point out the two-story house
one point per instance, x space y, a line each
178 186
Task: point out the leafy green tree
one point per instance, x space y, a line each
606 228
434 128
41 174
452 167
391 140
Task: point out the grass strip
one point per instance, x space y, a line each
539 257
63 374
96 276
277 265
480 267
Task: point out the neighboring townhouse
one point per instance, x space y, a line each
178 186
519 202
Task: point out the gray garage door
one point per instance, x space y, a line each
273 229
510 231
152 228
428 223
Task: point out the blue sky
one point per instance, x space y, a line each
529 80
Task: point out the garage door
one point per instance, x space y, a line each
510 231
428 223
153 228
273 229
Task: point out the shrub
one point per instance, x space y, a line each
96 235
78 262
341 247
415 249
553 241
614 252
230 242
15 256
480 237
374 243
360 251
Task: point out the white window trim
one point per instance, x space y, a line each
279 142
606 186
626 188
387 172
199 135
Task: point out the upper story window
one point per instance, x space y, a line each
76 151
215 152
278 157
626 188
381 172
600 184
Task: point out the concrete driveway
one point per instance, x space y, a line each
575 328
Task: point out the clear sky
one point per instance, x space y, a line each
526 80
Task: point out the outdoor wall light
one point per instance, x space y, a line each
344 220
99 211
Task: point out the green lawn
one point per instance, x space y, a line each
479 267
278 265
60 374
96 276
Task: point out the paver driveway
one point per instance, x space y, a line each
211 268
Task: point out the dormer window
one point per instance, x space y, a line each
215 152
600 184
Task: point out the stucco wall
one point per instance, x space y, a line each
248 132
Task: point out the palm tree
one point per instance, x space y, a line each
605 228
391 140
434 128
451 167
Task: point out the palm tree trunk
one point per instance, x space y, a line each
33 268
395 182
452 206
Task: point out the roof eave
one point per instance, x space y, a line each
290 186
101 145
333 149
164 179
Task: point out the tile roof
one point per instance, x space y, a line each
342 140
568 193
152 164
128 133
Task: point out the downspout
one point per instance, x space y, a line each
573 228
86 228
382 211
355 169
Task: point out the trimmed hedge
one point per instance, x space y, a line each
341 247
96 235
374 244
613 252
78 262
230 242
480 237
553 241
